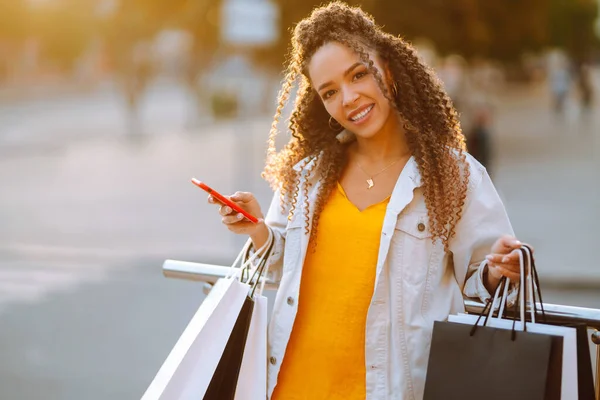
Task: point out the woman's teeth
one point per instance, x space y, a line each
362 114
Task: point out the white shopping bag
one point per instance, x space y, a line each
252 381
188 370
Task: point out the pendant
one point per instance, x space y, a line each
370 183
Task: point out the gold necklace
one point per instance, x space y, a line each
370 182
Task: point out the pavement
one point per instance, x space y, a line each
88 213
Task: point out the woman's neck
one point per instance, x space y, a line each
387 145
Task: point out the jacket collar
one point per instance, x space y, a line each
412 170
301 167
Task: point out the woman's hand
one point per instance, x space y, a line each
503 261
236 222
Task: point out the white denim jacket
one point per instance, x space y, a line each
417 282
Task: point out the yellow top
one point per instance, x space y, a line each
325 356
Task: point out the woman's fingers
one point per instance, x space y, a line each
242 226
505 264
225 210
242 197
212 200
232 219
505 244
511 258
504 259
500 269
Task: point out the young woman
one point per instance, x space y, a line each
381 221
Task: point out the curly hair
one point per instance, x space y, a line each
429 118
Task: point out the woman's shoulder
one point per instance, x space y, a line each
476 172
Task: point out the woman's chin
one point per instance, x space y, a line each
368 132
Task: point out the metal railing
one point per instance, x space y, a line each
555 313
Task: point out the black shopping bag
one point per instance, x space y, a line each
472 362
489 364
224 381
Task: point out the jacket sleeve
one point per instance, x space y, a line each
484 220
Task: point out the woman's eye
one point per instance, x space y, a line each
328 94
359 75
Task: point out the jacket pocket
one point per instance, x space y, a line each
414 224
414 247
420 257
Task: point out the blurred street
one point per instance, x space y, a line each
89 212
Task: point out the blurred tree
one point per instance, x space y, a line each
126 31
201 18
14 24
497 29
64 29
136 22
14 20
572 27
291 12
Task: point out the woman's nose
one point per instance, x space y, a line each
350 97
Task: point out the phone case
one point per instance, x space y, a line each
224 200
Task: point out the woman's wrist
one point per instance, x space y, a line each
489 280
260 236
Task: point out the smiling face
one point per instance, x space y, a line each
349 91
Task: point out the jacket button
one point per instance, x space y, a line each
421 227
273 360
290 301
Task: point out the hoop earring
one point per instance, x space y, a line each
395 89
332 126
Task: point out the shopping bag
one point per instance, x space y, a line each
207 358
489 365
585 376
501 359
191 364
223 383
561 372
252 382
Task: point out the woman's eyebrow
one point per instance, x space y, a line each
346 72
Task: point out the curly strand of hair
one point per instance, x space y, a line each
333 164
294 152
306 187
295 190
439 137
282 100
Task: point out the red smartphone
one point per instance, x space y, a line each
224 200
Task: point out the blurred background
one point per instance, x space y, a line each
109 107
